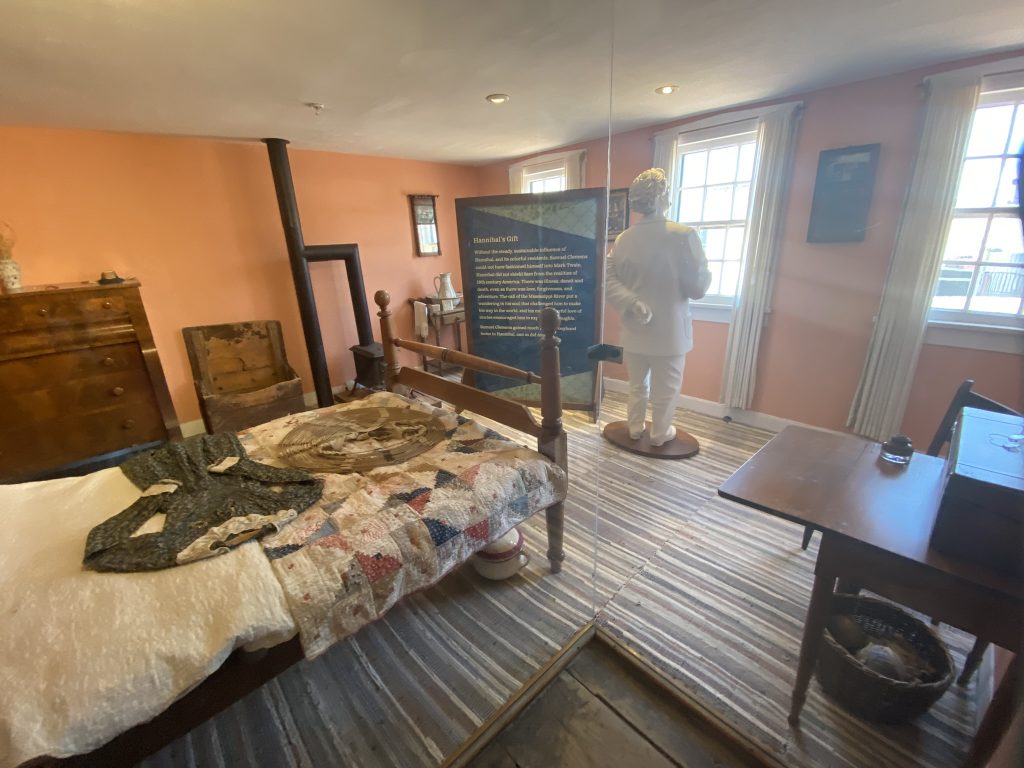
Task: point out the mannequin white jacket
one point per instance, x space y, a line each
649 262
652 262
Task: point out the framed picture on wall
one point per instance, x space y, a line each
842 194
424 222
618 212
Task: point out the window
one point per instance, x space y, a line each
714 176
553 172
546 177
981 280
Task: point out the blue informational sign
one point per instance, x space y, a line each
520 254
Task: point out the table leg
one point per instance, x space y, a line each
997 718
814 625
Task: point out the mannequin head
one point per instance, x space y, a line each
648 194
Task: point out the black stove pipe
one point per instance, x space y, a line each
299 256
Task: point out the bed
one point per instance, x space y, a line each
104 669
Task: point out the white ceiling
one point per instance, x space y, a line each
407 77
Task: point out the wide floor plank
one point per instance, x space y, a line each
567 726
674 728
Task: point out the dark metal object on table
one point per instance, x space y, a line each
300 255
876 529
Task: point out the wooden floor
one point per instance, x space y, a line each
604 712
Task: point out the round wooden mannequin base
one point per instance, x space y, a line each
682 446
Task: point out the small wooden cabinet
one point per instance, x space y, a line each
81 386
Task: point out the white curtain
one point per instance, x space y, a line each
665 158
576 170
878 405
776 139
515 179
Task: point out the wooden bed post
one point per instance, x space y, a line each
387 336
552 440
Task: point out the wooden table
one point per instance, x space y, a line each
876 520
438 318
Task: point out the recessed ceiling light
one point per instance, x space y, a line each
497 98
665 90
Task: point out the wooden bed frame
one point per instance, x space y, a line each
244 672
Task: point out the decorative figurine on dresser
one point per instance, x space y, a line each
81 386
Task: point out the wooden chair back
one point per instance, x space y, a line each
241 374
964 398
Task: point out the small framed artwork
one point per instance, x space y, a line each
842 194
618 212
424 224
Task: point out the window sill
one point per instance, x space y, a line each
992 338
711 313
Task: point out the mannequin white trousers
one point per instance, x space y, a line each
656 379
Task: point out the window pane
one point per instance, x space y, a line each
691 204
1004 241
1006 194
1017 137
740 200
965 236
989 131
747 152
999 290
722 164
954 283
730 278
734 243
978 183
718 203
695 165
714 244
715 267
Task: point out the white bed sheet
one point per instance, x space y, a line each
76 646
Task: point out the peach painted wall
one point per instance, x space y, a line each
196 221
825 296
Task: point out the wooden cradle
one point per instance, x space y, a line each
244 672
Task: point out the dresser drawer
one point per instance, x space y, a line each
43 371
71 437
79 395
41 309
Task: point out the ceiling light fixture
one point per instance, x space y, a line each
665 90
497 98
316 106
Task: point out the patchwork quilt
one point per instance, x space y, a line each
374 537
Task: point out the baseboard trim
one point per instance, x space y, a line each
756 419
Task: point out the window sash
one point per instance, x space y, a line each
1005 92
706 140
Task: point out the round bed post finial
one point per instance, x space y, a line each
387 338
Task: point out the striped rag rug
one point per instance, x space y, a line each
710 593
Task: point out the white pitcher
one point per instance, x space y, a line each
446 291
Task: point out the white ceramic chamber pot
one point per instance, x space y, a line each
502 558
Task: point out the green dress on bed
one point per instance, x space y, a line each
212 498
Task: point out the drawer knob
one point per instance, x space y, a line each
107 304
43 312
108 361
117 391
128 423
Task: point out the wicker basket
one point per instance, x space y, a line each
864 691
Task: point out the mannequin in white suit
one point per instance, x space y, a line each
654 269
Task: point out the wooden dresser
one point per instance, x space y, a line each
81 386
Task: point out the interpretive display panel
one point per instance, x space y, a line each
519 254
